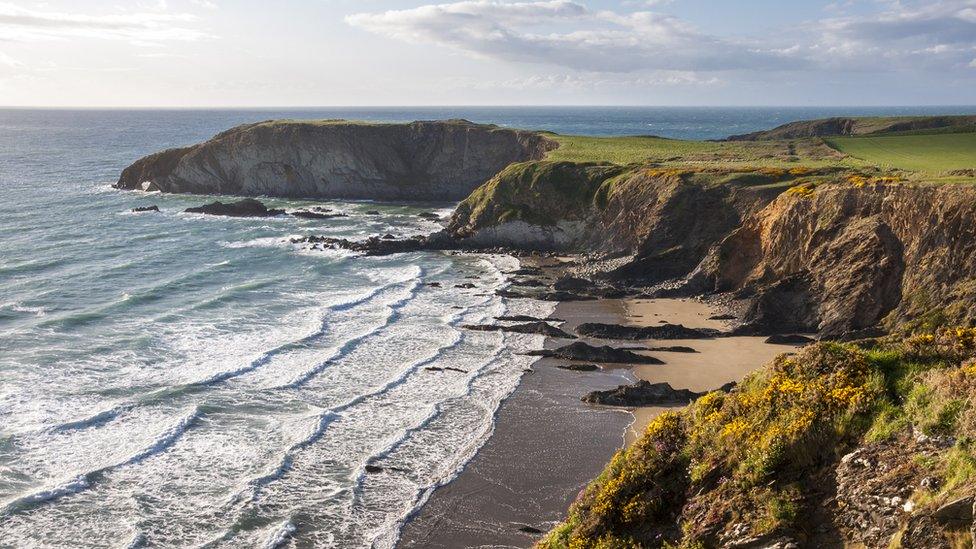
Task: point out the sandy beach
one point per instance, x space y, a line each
548 445
716 362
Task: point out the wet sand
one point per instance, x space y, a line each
548 445
717 362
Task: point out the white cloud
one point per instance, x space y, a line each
587 40
566 33
915 35
8 61
582 82
24 24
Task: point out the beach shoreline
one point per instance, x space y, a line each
548 445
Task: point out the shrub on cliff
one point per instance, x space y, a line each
752 463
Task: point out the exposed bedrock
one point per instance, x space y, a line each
443 160
668 219
844 259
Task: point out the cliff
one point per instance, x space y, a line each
846 256
829 127
667 218
338 159
864 445
826 250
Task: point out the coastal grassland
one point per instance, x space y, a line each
753 462
541 193
933 154
658 150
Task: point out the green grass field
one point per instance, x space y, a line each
624 150
925 153
643 149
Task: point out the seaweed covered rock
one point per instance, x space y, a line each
644 393
247 207
585 352
663 331
540 327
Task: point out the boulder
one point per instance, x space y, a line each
307 214
789 339
585 352
673 349
247 207
153 208
542 328
572 283
664 331
642 393
578 367
645 393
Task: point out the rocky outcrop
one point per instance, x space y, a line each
247 207
645 393
668 218
843 258
664 331
541 328
585 352
338 159
860 126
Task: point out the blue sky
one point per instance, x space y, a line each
489 52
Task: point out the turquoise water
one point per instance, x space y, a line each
175 380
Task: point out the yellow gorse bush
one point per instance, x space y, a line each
802 190
859 181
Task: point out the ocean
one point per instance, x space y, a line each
179 380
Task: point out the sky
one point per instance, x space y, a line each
255 53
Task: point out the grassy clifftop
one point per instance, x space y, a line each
868 125
539 193
849 444
927 154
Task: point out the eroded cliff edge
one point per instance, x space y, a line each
441 160
832 251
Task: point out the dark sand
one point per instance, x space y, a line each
546 447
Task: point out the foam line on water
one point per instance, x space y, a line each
253 487
280 535
135 542
327 417
83 481
350 345
105 416
267 356
389 536
435 412
93 420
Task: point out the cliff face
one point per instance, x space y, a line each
337 159
845 258
667 218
